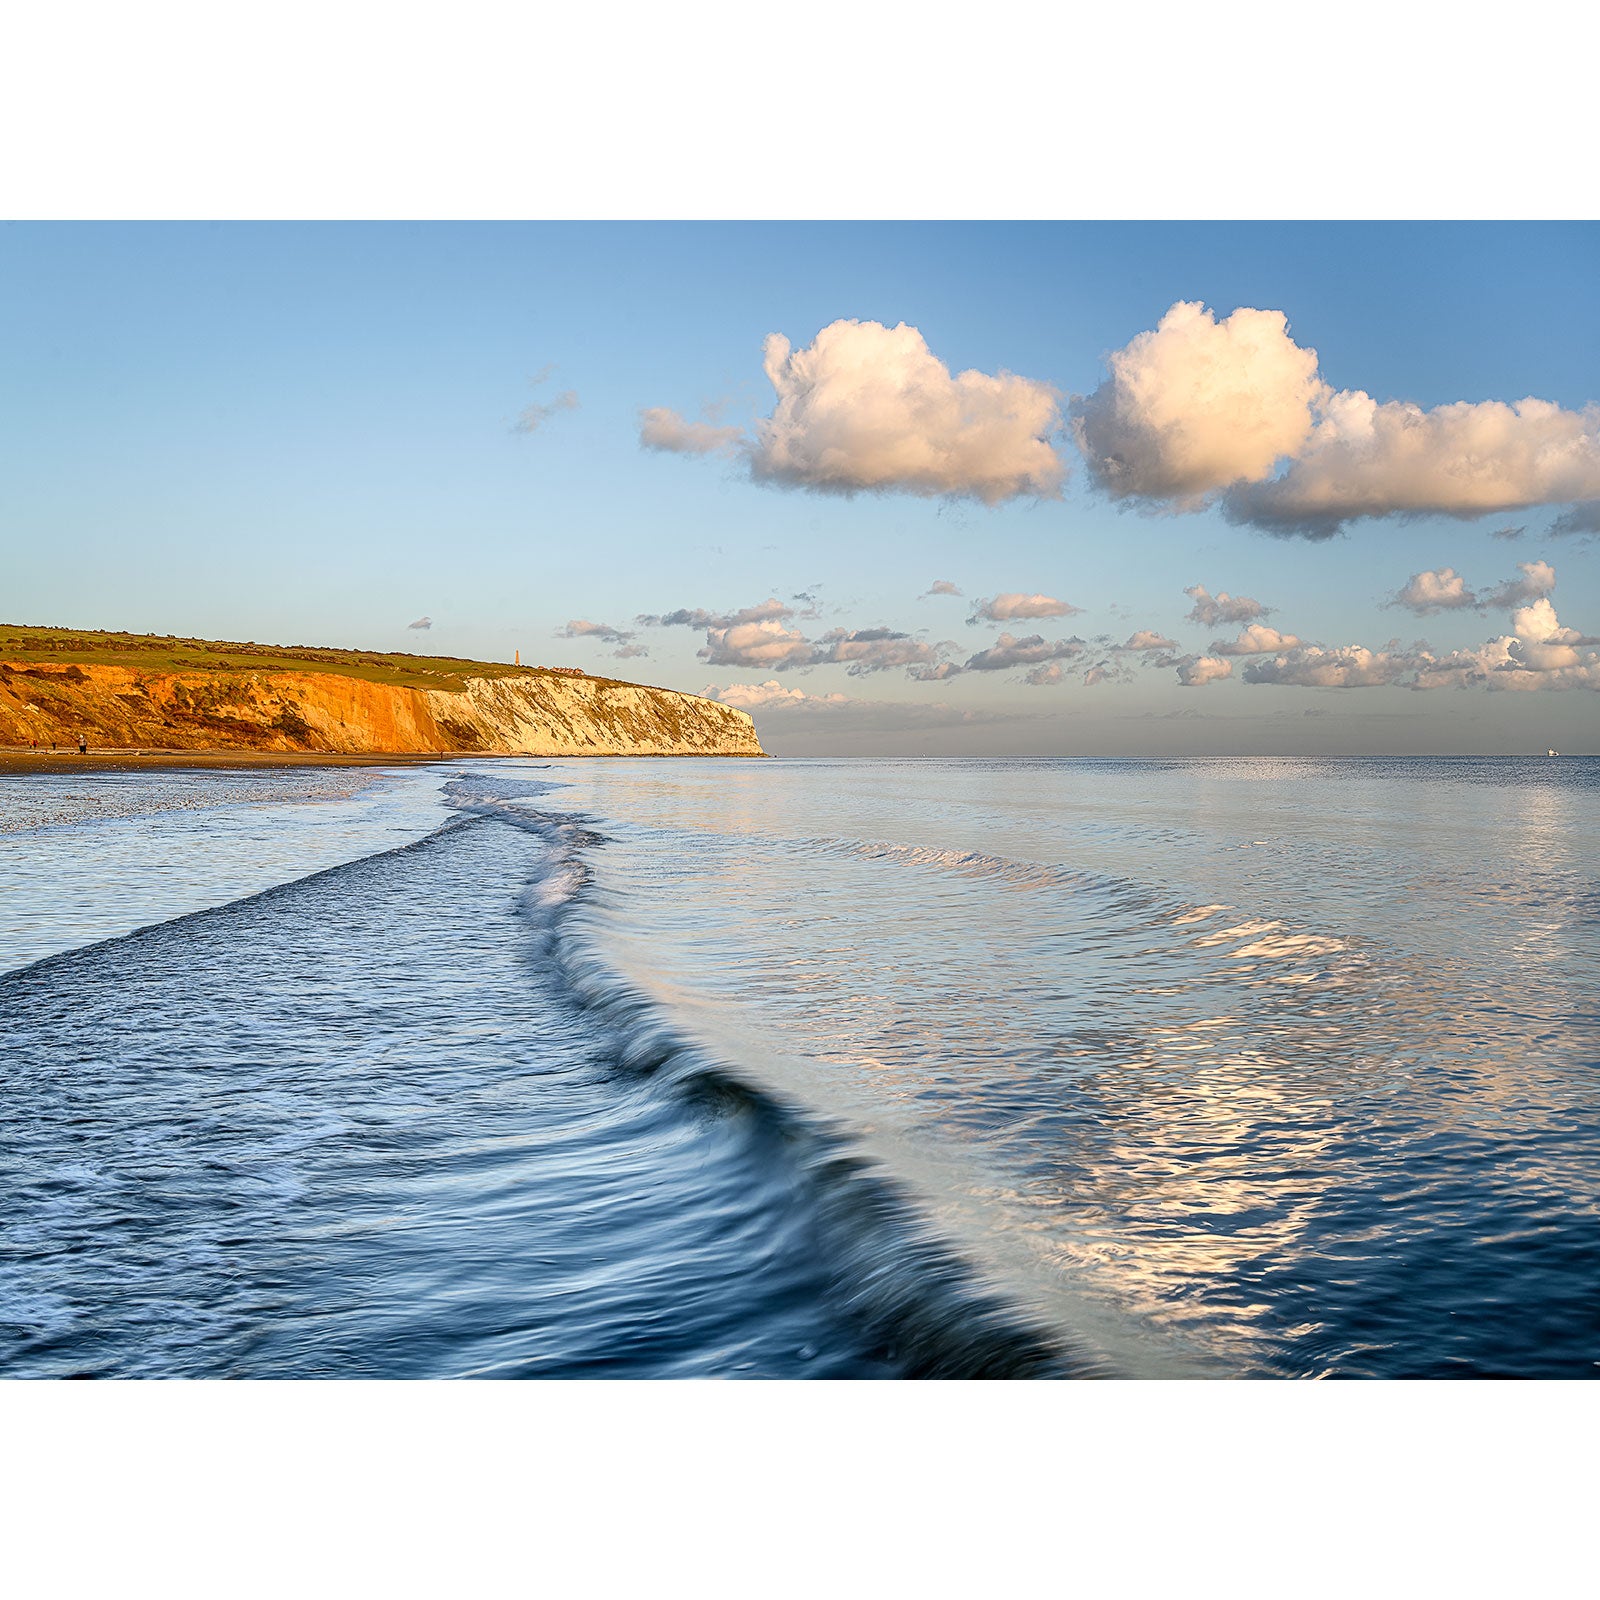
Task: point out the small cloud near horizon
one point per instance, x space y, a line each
622 638
1222 608
421 622
1019 607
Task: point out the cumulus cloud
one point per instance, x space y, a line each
663 429
1256 640
871 650
1350 666
866 407
766 696
1148 639
1196 405
1198 409
1428 592
1537 580
1220 609
767 643
1367 459
940 586
1538 653
421 622
1008 651
1018 608
763 636
1194 672
1446 590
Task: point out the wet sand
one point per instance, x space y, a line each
15 758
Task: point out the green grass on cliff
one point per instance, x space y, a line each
164 653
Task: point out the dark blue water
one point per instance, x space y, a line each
817 1069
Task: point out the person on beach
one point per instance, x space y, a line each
83 745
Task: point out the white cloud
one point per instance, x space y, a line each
626 650
1350 666
769 695
421 622
1020 607
767 643
1367 459
579 629
1198 404
1537 580
1538 653
871 650
1256 640
762 636
866 407
770 609
1428 592
1195 672
663 429
1148 639
1008 651
1198 408
1220 609
1446 590
940 586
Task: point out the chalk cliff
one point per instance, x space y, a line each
545 714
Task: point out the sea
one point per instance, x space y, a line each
1010 1068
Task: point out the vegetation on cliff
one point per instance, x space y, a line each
163 653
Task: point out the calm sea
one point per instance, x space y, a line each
803 1068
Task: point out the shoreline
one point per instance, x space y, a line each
15 759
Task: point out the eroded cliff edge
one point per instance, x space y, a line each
544 714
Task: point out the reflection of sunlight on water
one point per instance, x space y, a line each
1274 1054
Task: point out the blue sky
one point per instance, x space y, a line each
308 434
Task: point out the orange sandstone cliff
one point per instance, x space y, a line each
536 714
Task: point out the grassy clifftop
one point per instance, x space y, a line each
149 652
135 691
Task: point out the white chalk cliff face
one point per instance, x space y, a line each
582 717
536 714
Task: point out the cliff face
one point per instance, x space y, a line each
547 715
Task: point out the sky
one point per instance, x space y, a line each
1066 488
